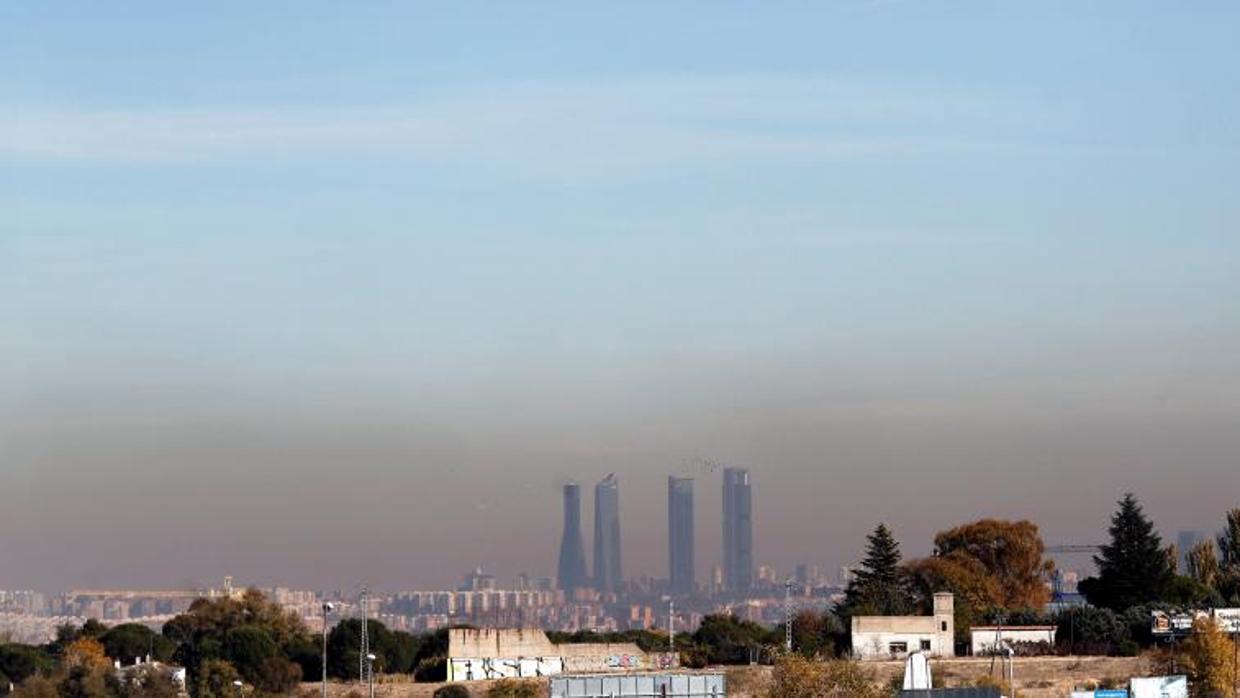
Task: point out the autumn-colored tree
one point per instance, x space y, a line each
86 652
1010 552
1209 660
1203 563
797 677
1228 582
975 589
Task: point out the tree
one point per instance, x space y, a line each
1228 582
880 586
816 635
727 640
1010 552
20 662
1132 568
130 641
247 648
215 679
1090 630
37 686
245 632
1208 657
86 652
1203 564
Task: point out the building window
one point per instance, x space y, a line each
898 648
925 645
943 626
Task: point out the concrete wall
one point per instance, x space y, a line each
486 653
982 638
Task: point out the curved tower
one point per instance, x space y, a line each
572 569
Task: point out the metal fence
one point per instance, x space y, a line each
640 686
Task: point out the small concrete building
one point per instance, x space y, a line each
983 639
895 637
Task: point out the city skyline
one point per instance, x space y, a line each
334 297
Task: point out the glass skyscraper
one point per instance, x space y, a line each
737 530
608 575
680 563
572 568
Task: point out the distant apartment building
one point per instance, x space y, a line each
737 530
608 574
680 564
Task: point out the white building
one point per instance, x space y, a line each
894 637
985 638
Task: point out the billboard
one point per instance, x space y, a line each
1228 619
1175 623
1160 687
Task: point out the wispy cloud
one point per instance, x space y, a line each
539 127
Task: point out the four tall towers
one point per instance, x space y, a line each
682 575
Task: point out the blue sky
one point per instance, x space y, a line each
544 232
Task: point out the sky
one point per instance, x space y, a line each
322 294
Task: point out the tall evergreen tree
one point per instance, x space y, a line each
881 586
1132 568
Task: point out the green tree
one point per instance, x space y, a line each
1091 630
1132 568
20 662
130 641
726 640
880 586
247 648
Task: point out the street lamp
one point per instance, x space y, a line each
239 687
370 673
327 608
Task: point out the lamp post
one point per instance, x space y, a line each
238 687
370 673
327 608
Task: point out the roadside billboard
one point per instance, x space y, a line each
1160 687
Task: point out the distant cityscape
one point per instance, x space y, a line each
581 597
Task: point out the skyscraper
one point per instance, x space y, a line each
737 530
680 563
607 572
572 569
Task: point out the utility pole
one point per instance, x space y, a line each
788 615
671 625
364 600
327 608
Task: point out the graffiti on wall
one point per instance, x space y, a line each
623 661
468 669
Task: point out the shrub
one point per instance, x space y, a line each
514 688
452 690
